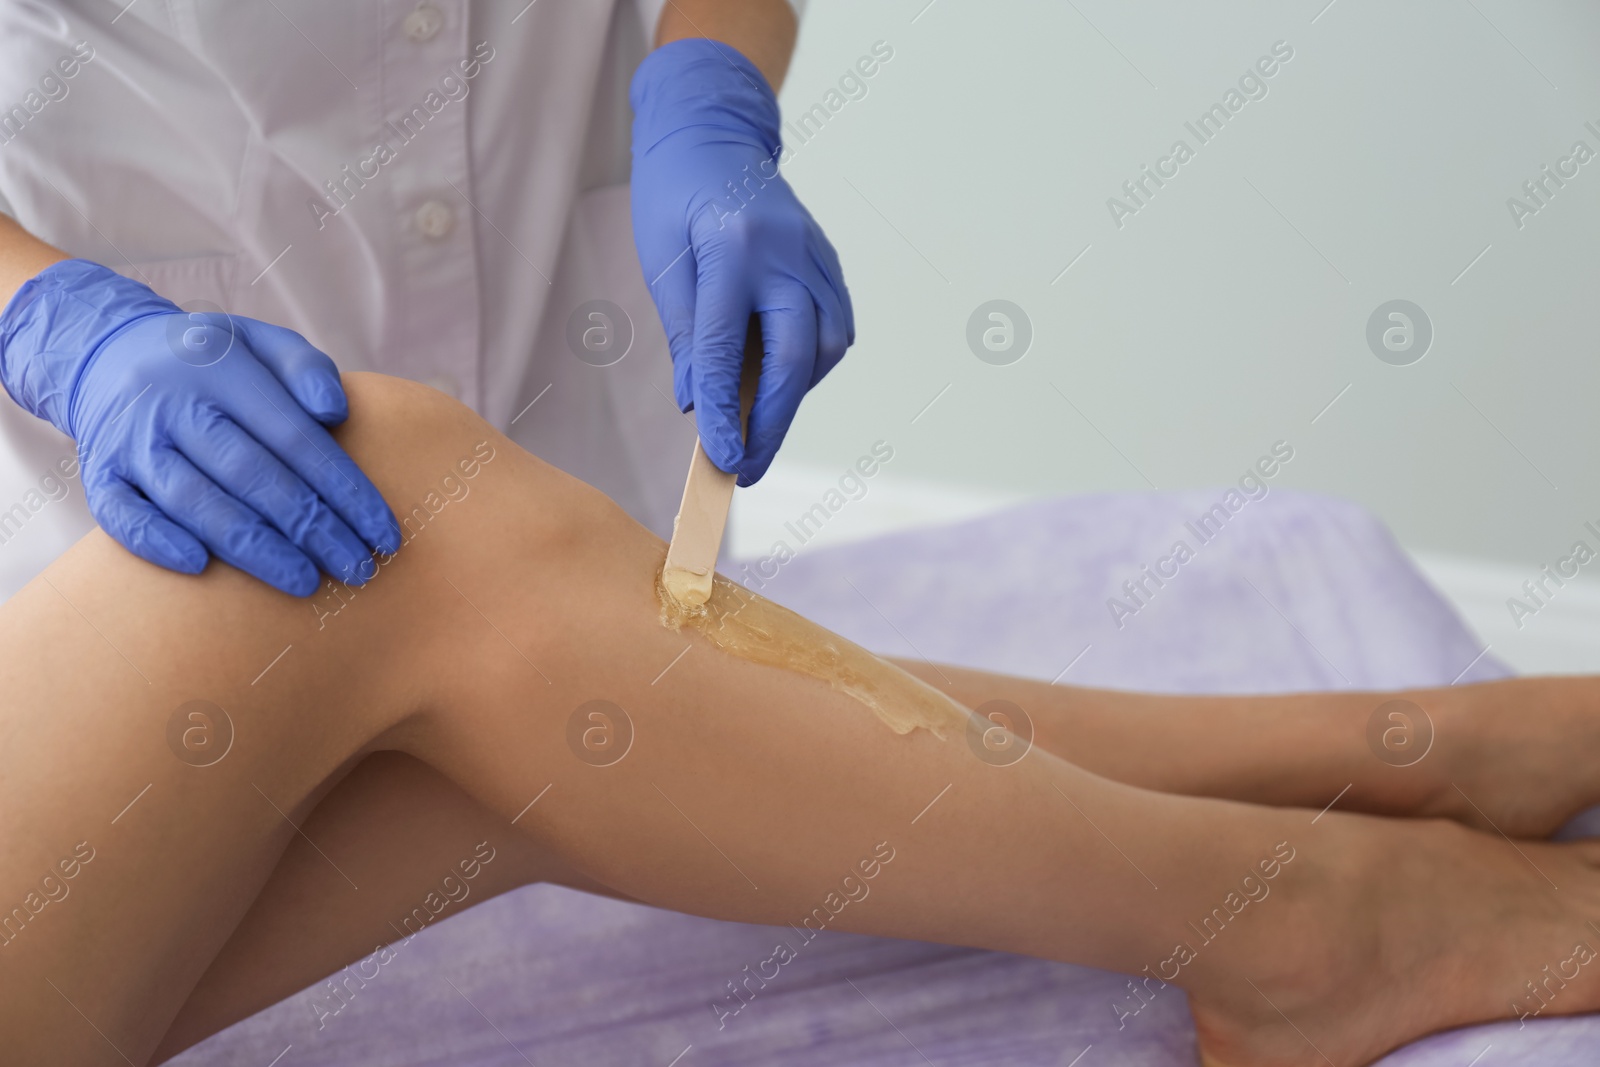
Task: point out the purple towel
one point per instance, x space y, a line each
1290 592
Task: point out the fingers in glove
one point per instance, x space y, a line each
834 334
721 323
673 291
247 471
140 527
789 354
234 533
306 448
305 371
826 261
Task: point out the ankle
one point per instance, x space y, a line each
1506 753
1327 950
1460 740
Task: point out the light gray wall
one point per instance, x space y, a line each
1232 308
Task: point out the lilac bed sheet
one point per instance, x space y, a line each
1295 592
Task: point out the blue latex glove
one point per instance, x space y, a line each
721 236
195 431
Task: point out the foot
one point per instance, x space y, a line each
1392 930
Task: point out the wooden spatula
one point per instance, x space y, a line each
707 495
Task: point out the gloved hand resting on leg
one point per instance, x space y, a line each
196 432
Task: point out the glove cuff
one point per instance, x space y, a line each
54 325
697 81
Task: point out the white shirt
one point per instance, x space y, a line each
426 189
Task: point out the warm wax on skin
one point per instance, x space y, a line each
685 588
752 627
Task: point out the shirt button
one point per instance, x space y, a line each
445 383
435 219
424 23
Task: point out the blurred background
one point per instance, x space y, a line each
1171 341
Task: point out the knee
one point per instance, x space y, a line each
423 450
394 421
428 453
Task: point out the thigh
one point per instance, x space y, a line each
148 788
419 849
162 736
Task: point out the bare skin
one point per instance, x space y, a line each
1488 768
762 30
22 256
306 924
532 595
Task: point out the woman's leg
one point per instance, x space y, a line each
408 837
1515 756
404 821
401 824
748 793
